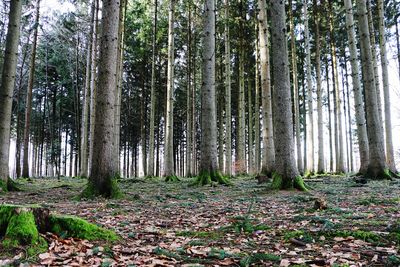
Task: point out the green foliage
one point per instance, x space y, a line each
70 226
376 201
298 234
359 234
172 178
258 258
201 234
3 186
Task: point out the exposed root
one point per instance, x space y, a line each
172 178
373 174
278 183
207 178
109 191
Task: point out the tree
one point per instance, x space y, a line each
6 88
28 103
286 173
228 111
358 97
386 91
208 171
169 170
103 170
377 163
268 161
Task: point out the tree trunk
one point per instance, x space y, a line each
189 97
268 161
86 100
257 153
377 162
295 90
321 151
209 158
250 128
386 91
103 171
357 90
7 87
287 174
150 170
169 171
351 158
28 103
310 108
228 111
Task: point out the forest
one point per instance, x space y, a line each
199 133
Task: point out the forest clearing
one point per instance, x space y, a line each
246 224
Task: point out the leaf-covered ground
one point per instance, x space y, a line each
172 224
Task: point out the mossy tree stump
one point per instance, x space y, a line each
20 226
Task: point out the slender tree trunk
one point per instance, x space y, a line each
93 79
103 169
346 95
228 111
286 175
189 98
386 91
377 162
398 42
28 103
169 125
357 90
257 153
310 108
295 90
250 128
268 162
86 100
150 170
7 86
321 151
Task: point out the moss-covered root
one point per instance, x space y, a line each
19 227
278 183
70 226
109 189
373 174
207 178
9 186
172 178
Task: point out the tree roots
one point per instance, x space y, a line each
172 178
207 178
278 183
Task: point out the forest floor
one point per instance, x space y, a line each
173 224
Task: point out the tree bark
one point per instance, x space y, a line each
386 91
257 152
228 111
169 116
7 87
268 162
377 162
103 170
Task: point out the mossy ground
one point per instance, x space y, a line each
210 178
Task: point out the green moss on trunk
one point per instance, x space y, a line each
373 174
110 190
207 178
172 178
278 183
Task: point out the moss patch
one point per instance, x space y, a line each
3 186
278 183
172 178
209 178
111 190
70 226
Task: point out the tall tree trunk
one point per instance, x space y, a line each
287 174
241 124
268 162
295 89
321 151
257 153
28 103
209 161
386 91
250 128
150 170
7 87
169 116
103 171
339 147
398 41
310 108
189 98
357 90
228 111
86 100
377 162
351 159
331 150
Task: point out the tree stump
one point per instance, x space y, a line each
21 226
